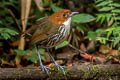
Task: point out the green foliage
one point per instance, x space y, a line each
109 9
82 18
92 34
63 44
7 28
21 52
82 27
34 56
42 51
55 8
7 33
101 17
31 56
109 14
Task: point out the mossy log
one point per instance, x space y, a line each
99 72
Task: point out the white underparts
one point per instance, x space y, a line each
67 25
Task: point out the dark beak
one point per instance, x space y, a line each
73 13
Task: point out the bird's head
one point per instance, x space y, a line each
61 16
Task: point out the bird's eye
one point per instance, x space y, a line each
64 15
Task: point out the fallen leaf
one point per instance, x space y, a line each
105 49
82 47
114 53
88 56
69 65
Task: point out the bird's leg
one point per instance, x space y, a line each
44 68
56 64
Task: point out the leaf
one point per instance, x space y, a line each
21 52
43 58
106 9
92 34
34 51
63 44
116 41
42 51
98 18
97 1
104 3
115 4
109 34
102 19
117 18
110 29
119 48
108 17
7 33
82 28
102 39
55 8
99 31
32 58
83 18
116 11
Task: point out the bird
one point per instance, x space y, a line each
50 32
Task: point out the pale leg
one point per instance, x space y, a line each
56 64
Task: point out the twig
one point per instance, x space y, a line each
39 4
15 19
29 17
77 49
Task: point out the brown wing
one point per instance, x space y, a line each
43 30
34 27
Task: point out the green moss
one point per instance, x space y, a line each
54 71
95 69
85 72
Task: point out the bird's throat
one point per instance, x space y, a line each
67 25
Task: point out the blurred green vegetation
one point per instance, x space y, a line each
8 29
104 12
109 16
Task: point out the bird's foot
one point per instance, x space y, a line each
59 67
45 69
